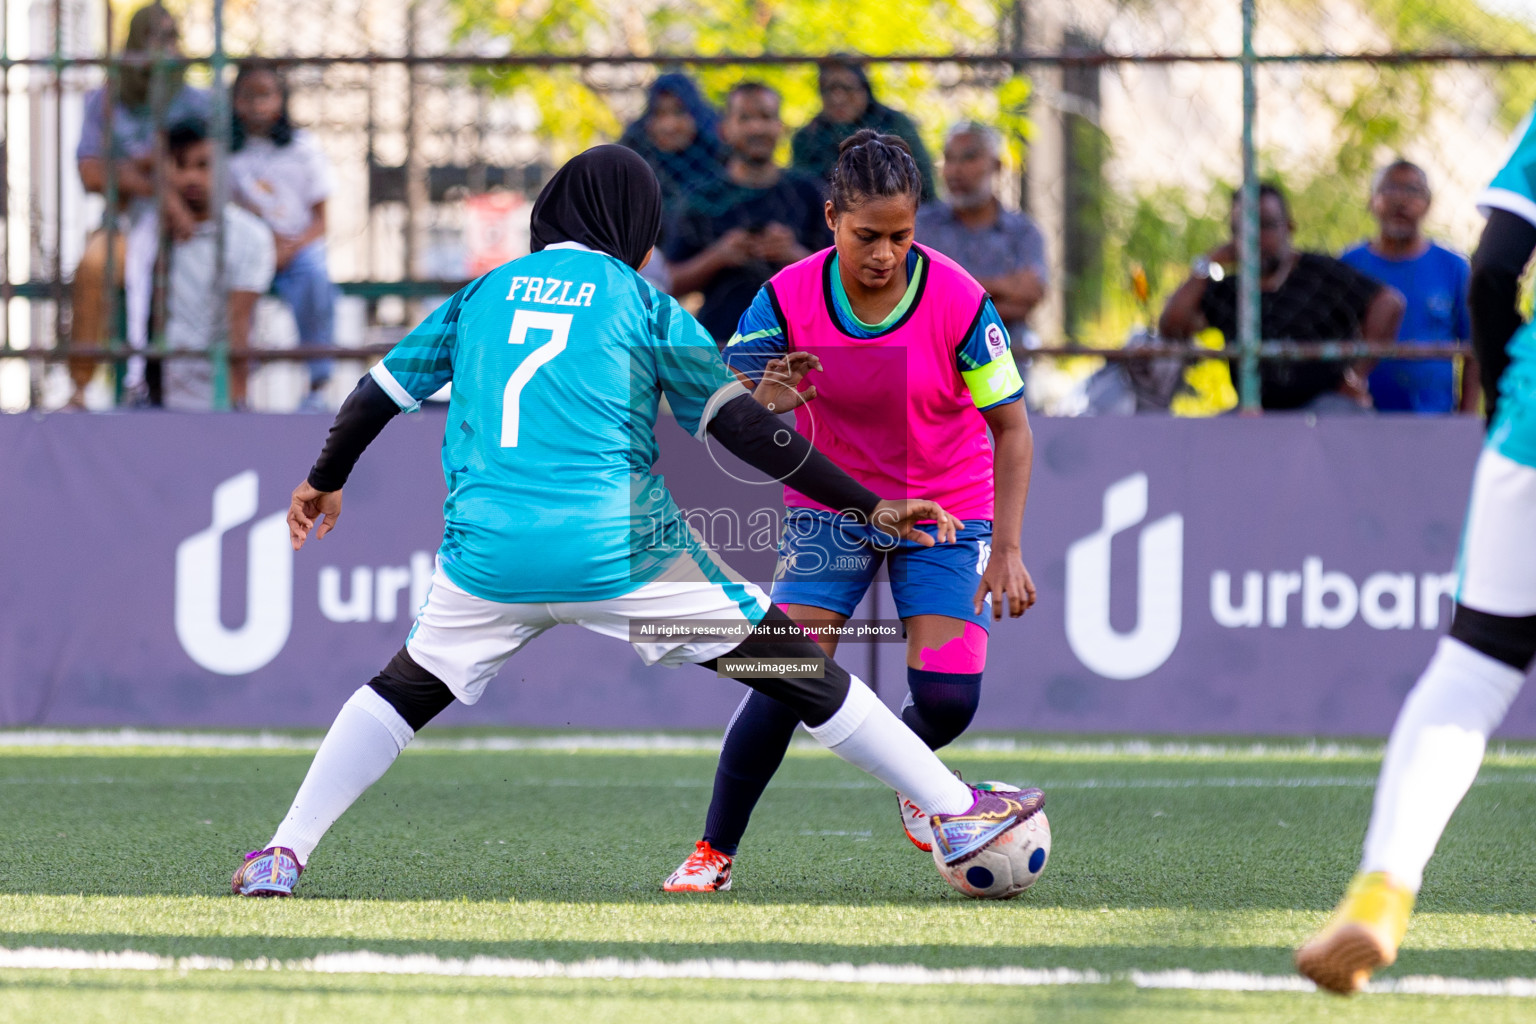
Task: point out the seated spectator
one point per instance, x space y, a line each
1001 249
147 101
734 234
278 172
847 105
192 305
1433 282
1305 296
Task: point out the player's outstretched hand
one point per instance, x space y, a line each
1005 576
307 506
776 391
900 518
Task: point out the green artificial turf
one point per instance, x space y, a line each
1163 860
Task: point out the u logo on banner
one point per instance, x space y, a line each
1159 588
268 585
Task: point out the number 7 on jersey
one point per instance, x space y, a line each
523 321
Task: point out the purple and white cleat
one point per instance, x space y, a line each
270 872
958 837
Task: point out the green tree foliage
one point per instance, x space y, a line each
1383 108
1381 113
1468 26
577 108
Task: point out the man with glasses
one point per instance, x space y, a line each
1433 282
1304 297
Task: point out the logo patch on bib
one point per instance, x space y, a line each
997 342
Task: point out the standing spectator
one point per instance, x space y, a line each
192 304
1305 296
1003 250
278 173
1433 282
678 134
148 99
848 104
735 234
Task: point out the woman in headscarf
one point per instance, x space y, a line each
678 136
848 104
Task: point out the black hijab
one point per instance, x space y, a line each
607 199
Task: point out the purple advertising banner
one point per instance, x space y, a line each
1268 576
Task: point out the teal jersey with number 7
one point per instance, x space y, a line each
558 362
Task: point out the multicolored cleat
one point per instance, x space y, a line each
959 837
270 872
705 870
1362 935
914 823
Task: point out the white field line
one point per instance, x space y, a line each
363 962
1050 785
663 741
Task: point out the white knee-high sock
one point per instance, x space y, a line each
363 742
1433 756
866 735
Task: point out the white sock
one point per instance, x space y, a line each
1433 756
363 742
866 735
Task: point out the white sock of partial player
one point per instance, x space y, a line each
363 742
867 735
1433 756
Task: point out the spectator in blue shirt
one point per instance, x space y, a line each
1432 279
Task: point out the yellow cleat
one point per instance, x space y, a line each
1362 935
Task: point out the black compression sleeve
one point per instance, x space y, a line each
362 416
415 693
814 698
1506 244
756 437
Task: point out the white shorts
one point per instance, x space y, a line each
464 640
1497 567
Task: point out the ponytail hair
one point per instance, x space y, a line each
874 166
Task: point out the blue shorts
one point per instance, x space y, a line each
827 562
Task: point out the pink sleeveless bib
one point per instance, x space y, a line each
893 410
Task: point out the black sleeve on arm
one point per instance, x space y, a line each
756 437
1493 292
359 421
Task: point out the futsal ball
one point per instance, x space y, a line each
1012 863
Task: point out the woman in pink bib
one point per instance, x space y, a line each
896 362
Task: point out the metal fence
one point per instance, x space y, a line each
1129 125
